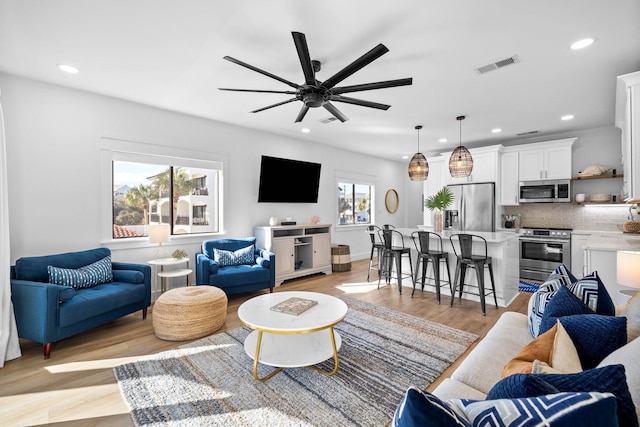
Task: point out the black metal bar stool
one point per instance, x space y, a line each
393 253
463 248
376 246
426 254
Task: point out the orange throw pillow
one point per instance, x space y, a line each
538 349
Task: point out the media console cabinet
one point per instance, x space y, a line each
300 249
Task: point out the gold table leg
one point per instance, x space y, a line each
275 371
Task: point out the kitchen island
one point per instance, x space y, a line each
501 246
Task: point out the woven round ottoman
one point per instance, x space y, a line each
188 313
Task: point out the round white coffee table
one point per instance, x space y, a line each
286 340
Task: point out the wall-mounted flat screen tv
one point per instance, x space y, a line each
288 181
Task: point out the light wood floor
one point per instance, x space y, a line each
77 387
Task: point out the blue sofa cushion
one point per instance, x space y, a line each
563 303
35 268
98 300
421 408
83 277
239 275
226 245
592 292
522 385
244 256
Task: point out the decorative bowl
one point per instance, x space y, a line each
600 198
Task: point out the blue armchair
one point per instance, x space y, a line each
235 265
47 312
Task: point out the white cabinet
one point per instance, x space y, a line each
433 184
628 120
300 249
485 166
509 166
546 160
578 265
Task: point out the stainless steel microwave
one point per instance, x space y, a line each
544 191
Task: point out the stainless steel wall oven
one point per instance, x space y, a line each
542 250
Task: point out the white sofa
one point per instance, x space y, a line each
482 368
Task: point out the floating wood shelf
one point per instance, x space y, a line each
582 178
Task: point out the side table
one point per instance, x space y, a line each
160 263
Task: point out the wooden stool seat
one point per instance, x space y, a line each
188 313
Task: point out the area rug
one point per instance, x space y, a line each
527 286
209 381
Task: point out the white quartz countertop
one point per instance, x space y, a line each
490 237
613 242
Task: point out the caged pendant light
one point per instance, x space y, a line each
418 166
461 162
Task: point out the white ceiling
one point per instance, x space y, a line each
168 54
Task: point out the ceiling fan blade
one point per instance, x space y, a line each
371 86
336 113
360 102
258 70
305 59
302 113
356 65
287 92
275 105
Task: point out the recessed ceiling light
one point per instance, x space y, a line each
581 44
442 140
405 157
567 117
305 130
68 68
496 130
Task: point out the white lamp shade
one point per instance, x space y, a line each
159 233
628 268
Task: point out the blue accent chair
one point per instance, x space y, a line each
47 313
235 279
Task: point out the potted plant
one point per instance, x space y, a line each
437 203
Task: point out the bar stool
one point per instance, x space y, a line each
393 253
463 248
422 242
376 246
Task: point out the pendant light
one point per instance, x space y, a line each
418 166
461 162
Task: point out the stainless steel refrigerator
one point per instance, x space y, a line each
473 207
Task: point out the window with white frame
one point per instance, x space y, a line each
355 203
148 189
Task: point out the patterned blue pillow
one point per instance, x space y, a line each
83 277
593 293
595 336
553 410
421 408
563 303
244 256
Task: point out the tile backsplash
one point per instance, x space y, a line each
567 215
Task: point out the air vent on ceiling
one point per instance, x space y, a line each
531 132
498 64
328 120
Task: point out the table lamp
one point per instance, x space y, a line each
628 271
159 234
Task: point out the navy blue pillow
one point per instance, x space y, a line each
420 408
592 292
563 303
595 336
521 385
607 379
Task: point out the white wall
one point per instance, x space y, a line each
54 171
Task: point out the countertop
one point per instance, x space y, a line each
490 237
613 242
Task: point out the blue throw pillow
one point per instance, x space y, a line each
244 256
420 408
608 379
560 277
595 336
563 303
522 385
84 277
553 410
592 292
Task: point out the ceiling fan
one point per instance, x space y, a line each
314 93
